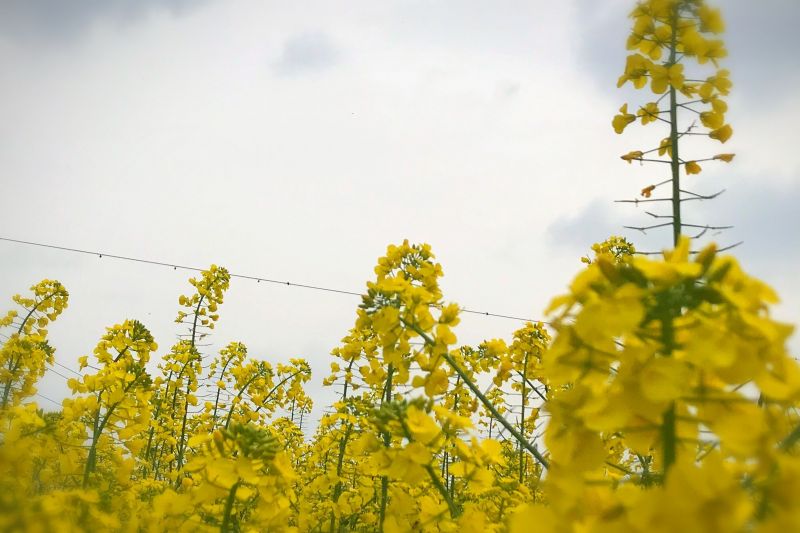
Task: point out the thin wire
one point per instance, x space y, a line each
257 279
57 373
48 399
68 368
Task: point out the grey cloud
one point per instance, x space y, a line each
307 52
601 219
765 218
592 224
54 21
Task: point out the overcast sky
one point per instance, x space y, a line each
295 140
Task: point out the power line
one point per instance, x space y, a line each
68 368
257 279
48 399
57 373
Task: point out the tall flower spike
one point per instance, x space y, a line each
672 42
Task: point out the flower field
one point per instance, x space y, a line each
659 396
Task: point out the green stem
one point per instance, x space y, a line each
387 440
226 517
454 513
90 459
437 482
668 431
32 310
221 378
10 381
181 443
99 426
239 397
273 389
484 400
675 164
791 439
337 490
522 457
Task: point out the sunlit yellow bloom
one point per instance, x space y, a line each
665 146
662 77
711 19
631 156
649 113
636 69
722 134
712 119
623 119
692 167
